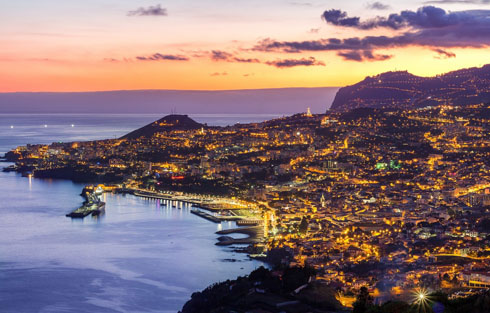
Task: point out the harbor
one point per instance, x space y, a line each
214 209
133 235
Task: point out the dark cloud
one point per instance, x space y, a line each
314 30
438 30
377 6
443 54
340 18
351 55
219 74
149 11
218 55
163 57
223 56
427 17
360 56
245 60
311 61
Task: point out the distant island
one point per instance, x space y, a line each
161 102
404 90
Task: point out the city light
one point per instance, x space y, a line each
421 297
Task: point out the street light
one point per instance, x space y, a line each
421 299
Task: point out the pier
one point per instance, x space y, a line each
92 205
255 234
153 196
94 209
205 215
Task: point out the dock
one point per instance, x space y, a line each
153 196
92 205
95 209
205 215
249 222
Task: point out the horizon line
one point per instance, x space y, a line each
189 90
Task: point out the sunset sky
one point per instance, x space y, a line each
68 45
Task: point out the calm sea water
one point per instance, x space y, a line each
20 129
141 256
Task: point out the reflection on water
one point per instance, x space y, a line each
140 256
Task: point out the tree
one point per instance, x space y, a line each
303 226
363 301
295 277
446 277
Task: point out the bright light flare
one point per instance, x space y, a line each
421 297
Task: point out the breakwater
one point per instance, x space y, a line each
205 215
255 235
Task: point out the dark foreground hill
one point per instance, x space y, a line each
292 290
404 90
288 291
167 123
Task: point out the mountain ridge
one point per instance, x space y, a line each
401 89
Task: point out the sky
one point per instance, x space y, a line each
92 45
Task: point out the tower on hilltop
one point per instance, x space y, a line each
308 112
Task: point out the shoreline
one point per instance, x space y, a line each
97 235
255 232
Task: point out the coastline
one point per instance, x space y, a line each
255 234
202 204
135 236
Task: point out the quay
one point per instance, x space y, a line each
92 205
87 209
205 215
249 222
153 196
207 203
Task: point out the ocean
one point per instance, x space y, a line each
141 256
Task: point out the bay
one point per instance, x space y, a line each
141 256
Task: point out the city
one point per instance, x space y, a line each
391 200
279 156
